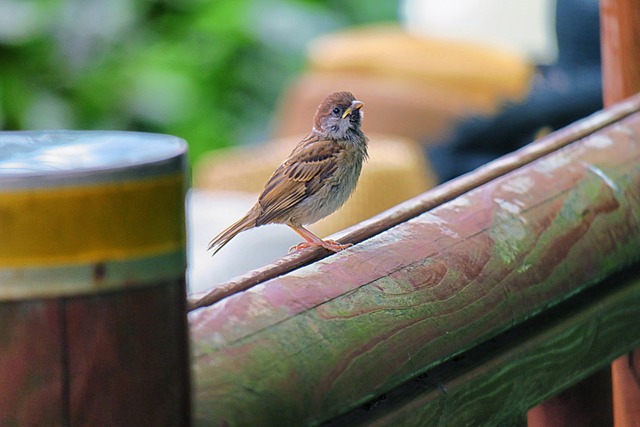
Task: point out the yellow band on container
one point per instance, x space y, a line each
92 223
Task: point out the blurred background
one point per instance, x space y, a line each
447 87
208 71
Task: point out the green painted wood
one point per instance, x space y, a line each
307 346
491 383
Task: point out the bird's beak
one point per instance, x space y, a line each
355 105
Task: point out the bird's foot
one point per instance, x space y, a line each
331 245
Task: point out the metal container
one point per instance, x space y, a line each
92 292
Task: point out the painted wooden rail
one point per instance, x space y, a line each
496 382
464 312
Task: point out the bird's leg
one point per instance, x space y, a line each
312 240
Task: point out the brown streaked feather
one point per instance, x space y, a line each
311 162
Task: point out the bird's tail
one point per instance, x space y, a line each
243 224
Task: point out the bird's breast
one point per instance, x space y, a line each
334 192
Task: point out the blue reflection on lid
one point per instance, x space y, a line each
29 152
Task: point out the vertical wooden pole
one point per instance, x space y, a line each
625 373
621 79
586 404
620 49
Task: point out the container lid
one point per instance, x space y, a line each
26 157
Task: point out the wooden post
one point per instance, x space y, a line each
620 27
621 74
586 404
92 260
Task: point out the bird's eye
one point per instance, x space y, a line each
336 111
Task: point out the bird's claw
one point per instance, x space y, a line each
330 245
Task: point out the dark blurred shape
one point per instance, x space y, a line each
564 92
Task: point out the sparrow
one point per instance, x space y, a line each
315 180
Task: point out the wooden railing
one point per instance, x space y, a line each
510 287
471 312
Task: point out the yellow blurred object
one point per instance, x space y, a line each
412 86
479 69
99 222
396 171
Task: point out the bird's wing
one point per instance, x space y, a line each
303 173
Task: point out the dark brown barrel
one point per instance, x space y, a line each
92 292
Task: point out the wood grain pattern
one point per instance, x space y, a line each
522 367
307 346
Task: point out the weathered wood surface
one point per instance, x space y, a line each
117 359
429 200
304 347
497 380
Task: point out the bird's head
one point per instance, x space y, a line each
339 116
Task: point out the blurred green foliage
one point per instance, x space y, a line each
209 71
